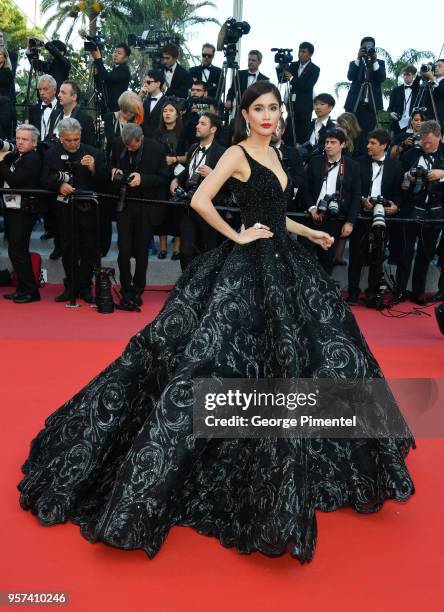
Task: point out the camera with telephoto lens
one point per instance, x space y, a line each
283 57
121 180
7 147
329 204
34 44
103 290
427 67
93 43
379 205
419 173
368 49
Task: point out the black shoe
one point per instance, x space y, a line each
418 299
161 255
438 297
63 297
46 236
137 297
397 298
11 296
55 254
371 301
353 298
26 298
175 256
87 296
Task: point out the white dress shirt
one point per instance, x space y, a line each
169 75
252 77
198 159
44 122
329 183
314 137
377 172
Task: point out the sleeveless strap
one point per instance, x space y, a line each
247 155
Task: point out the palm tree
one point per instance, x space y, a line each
394 68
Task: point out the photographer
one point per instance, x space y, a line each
197 103
68 167
58 65
303 76
139 165
247 77
402 100
116 80
381 178
196 236
408 138
366 68
153 98
423 199
323 105
435 77
21 169
206 72
177 79
69 96
333 193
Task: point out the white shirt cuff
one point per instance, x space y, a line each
357 63
376 65
311 207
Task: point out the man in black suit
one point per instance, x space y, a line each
153 98
436 79
327 175
143 160
380 176
303 76
206 72
115 81
69 96
21 169
87 166
177 78
58 65
402 100
196 236
247 77
367 67
323 104
418 204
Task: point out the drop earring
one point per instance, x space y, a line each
247 128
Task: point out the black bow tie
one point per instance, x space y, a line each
333 164
168 70
407 86
252 74
378 161
45 106
201 149
152 100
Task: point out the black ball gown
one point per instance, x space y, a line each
120 459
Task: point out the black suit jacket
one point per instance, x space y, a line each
322 132
35 117
214 154
83 178
396 103
153 170
350 200
303 85
180 84
151 120
88 134
410 160
243 83
26 174
392 176
356 76
213 80
116 81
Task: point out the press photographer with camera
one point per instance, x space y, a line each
323 105
381 178
196 236
116 80
57 65
21 169
70 167
366 74
206 72
197 103
402 100
434 74
139 170
333 194
303 76
423 199
177 79
409 137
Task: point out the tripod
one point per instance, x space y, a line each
365 94
287 99
229 64
98 101
32 77
426 86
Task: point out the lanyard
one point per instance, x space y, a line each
380 169
196 163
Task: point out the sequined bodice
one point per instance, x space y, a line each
261 198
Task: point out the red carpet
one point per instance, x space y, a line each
389 561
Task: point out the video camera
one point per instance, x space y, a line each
152 41
427 67
283 57
329 204
229 36
93 43
34 44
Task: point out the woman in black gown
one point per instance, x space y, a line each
120 458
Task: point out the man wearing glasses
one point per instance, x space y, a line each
206 72
152 96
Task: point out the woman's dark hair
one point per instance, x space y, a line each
179 123
251 94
